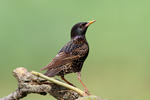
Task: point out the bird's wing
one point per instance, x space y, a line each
67 54
60 59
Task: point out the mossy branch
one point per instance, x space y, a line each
59 83
41 84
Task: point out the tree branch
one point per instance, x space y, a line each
59 83
29 83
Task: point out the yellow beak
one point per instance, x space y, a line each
89 23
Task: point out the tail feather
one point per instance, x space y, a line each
47 67
44 68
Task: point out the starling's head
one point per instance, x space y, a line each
79 29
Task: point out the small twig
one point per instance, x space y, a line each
59 83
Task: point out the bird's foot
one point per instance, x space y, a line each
87 93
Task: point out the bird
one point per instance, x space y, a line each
71 56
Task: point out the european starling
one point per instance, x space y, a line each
71 57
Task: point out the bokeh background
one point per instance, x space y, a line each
118 65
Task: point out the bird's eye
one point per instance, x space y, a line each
81 26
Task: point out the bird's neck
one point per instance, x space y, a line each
79 39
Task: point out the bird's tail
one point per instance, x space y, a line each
44 68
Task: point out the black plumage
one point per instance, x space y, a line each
71 57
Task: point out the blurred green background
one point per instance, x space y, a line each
118 65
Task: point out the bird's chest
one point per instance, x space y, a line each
77 64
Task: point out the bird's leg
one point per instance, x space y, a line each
63 78
85 88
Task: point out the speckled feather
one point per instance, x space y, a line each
69 59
